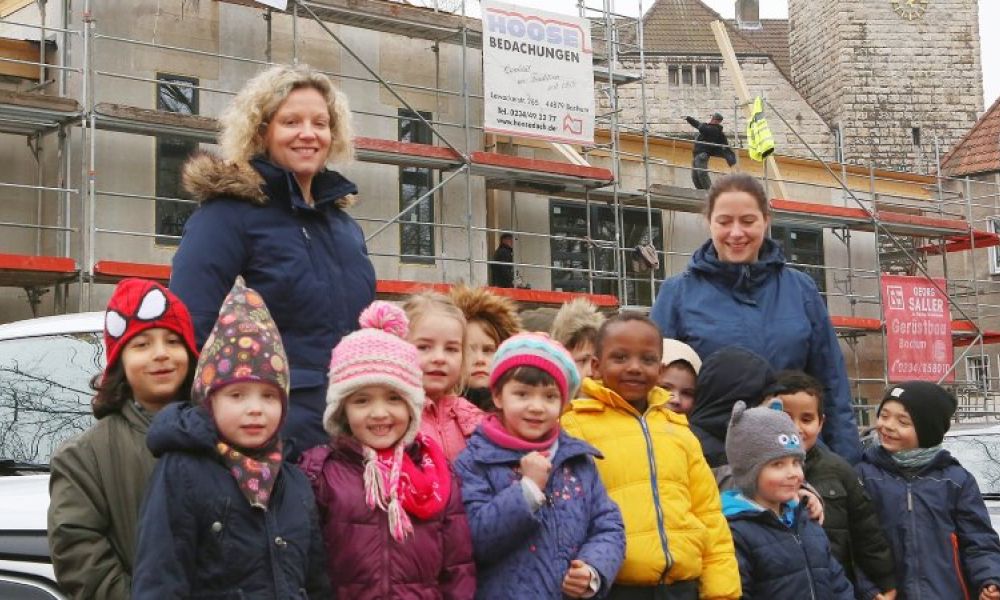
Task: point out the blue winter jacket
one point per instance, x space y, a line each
310 264
200 538
934 517
773 310
524 554
787 558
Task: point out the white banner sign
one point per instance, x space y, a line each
279 4
538 74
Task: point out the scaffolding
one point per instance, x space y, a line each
77 240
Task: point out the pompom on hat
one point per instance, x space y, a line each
540 351
138 305
377 354
756 437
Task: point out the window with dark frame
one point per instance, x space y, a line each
575 261
977 371
700 76
674 75
686 76
713 76
176 94
416 228
803 247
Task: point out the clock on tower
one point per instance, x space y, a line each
910 9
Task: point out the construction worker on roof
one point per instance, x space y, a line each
711 141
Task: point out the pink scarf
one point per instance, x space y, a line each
399 486
494 430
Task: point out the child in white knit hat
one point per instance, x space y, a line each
679 368
390 510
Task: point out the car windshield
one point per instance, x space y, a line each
980 454
45 392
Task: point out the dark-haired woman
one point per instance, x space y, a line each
737 291
99 477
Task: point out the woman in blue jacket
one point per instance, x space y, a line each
737 291
272 212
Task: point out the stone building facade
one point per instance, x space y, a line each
685 75
894 76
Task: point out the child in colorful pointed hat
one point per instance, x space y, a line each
220 488
243 370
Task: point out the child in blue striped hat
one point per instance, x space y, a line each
524 481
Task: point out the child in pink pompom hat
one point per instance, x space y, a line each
380 473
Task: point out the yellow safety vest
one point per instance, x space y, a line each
761 142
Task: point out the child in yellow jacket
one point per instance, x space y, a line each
678 545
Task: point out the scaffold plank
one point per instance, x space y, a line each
112 271
418 22
20 270
391 17
536 171
963 331
144 121
980 239
406 154
388 288
22 113
118 117
109 271
856 324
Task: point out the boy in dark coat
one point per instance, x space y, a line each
781 552
542 523
929 506
224 517
850 520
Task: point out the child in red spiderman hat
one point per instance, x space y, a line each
99 477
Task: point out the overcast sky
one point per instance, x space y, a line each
989 12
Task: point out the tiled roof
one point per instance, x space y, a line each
684 27
979 150
771 38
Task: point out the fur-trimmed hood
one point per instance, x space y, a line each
478 304
207 176
573 317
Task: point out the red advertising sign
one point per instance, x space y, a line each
917 328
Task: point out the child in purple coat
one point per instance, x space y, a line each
390 510
542 523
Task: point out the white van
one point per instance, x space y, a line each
46 366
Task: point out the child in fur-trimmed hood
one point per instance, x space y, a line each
490 319
575 327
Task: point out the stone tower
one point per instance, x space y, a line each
893 75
